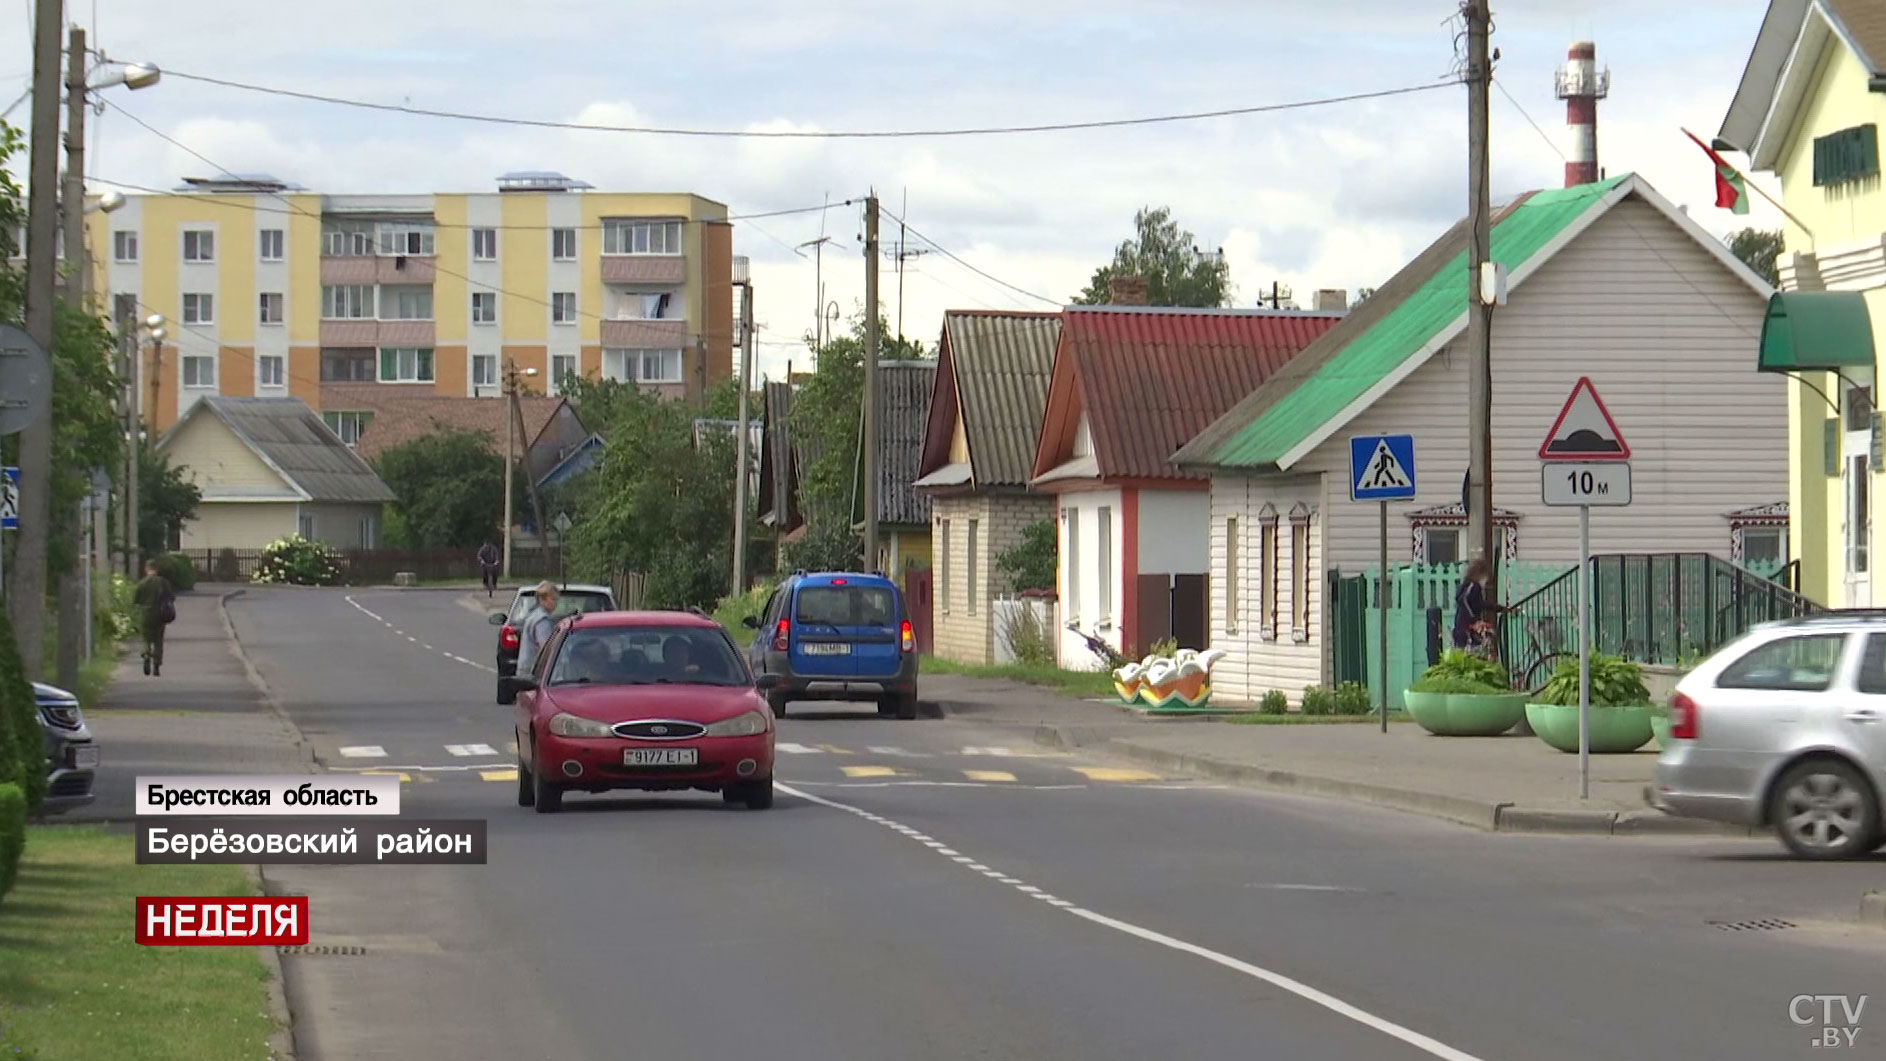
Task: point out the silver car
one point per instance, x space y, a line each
1786 727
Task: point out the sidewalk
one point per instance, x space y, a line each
1513 784
204 714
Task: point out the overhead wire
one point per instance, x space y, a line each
953 256
806 134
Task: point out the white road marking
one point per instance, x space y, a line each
1305 887
898 752
940 784
471 749
364 751
795 749
1296 987
386 623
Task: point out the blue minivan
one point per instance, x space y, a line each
837 636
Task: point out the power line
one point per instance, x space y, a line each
1497 83
809 134
952 256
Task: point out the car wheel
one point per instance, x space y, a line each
777 701
504 697
907 706
526 785
1823 809
887 706
732 794
758 795
546 796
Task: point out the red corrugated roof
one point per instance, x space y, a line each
1151 379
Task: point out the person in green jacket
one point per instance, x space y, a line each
156 604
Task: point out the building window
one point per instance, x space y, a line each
270 308
406 238
1268 574
1848 155
563 307
347 302
199 245
642 366
1764 548
270 241
562 367
124 308
199 309
199 371
1074 566
270 370
484 307
969 555
645 305
1233 575
406 303
347 426
1859 516
369 532
307 526
347 242
1104 528
124 245
563 244
347 366
641 237
484 244
943 566
484 370
1441 545
1300 576
405 364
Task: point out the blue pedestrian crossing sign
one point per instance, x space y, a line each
1381 468
10 501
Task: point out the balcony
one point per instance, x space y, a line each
645 334
644 268
377 333
377 269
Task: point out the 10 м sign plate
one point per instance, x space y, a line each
1594 483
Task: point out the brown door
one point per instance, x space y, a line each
1191 620
1155 613
919 584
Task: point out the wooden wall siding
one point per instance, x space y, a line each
1254 664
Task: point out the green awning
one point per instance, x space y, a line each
1806 331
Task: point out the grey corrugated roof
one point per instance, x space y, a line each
1000 363
292 439
903 410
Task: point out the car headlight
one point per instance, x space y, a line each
574 726
62 715
750 724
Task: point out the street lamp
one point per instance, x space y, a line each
133 76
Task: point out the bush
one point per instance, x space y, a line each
19 716
732 611
1318 701
228 568
1615 682
1458 664
1027 636
1274 703
177 570
118 620
12 834
1352 698
1455 686
298 562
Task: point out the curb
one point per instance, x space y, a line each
256 679
1873 909
281 1041
1487 816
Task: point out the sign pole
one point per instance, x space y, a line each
1381 602
1584 652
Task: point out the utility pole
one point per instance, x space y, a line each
133 428
868 432
510 447
904 254
740 440
26 599
1479 313
68 633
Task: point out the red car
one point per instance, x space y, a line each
656 701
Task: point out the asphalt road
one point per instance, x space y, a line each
940 889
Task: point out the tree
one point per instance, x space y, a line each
1033 562
449 489
1758 249
1177 273
166 501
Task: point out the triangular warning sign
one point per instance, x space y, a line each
1384 471
1584 430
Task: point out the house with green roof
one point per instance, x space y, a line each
1608 281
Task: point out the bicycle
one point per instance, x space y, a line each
1547 653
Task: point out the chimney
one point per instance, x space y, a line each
1332 298
1581 85
1127 291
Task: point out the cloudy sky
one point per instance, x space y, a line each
1335 196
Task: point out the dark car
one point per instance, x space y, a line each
571 600
71 755
657 701
837 636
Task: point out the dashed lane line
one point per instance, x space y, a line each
454 657
1296 987
364 751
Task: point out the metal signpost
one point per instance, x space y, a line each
1584 462
1382 469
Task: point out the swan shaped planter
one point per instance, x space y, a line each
1179 682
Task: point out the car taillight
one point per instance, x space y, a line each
1686 721
779 636
908 636
507 637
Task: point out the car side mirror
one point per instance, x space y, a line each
512 684
496 619
766 682
751 622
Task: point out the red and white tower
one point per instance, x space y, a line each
1581 85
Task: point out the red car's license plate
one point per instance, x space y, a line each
660 756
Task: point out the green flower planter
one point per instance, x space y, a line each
1465 714
1614 730
1660 725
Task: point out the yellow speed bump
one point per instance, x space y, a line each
988 775
498 775
869 771
1114 773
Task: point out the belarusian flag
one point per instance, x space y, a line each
1731 193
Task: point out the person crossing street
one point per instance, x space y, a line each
488 560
